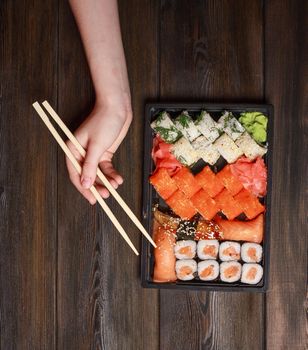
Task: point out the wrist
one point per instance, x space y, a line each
115 102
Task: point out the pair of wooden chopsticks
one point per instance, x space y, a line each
100 175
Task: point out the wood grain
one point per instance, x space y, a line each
28 175
286 87
101 304
79 250
137 325
67 280
211 51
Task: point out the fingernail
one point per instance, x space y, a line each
120 180
86 182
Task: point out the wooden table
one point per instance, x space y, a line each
67 280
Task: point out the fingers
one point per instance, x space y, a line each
103 191
114 177
75 179
90 164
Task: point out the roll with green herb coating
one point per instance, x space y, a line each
165 128
186 125
184 152
207 126
230 125
205 150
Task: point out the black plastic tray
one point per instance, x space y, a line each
150 197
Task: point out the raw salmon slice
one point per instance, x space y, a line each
164 268
249 231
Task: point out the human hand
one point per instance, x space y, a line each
100 134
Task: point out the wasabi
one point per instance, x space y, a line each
256 124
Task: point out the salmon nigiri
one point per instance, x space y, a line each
164 268
249 231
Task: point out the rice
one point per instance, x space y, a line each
252 273
208 270
251 252
229 251
206 150
230 125
207 249
207 126
165 128
185 269
250 147
185 249
184 152
230 271
227 148
185 124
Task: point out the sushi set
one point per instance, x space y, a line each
206 196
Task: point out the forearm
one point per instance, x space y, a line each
99 26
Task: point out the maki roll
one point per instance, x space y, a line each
230 181
186 269
251 252
181 205
165 128
209 181
228 205
230 125
207 126
185 249
229 251
205 205
186 230
184 152
227 148
208 270
250 147
252 273
206 150
249 203
185 124
186 182
230 271
164 185
207 249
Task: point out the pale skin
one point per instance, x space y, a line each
105 128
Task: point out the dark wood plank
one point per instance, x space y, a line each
28 176
100 302
135 326
286 87
79 266
210 51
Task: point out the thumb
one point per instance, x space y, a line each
90 164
